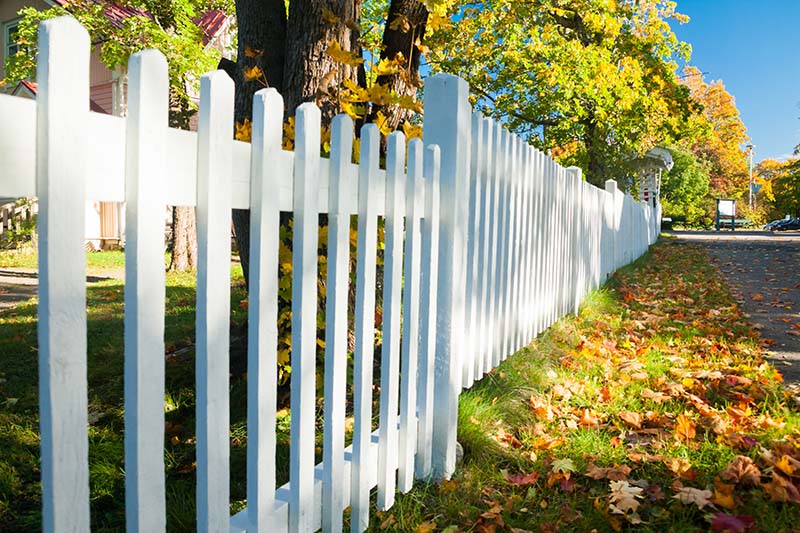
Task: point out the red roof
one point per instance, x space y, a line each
33 88
212 22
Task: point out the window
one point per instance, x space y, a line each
10 46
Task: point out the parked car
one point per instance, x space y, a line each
790 224
771 225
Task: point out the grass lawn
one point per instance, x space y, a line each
653 409
20 495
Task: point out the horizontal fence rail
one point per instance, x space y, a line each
488 242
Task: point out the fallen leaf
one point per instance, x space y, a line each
684 428
781 489
788 465
690 495
679 466
624 497
723 495
742 470
563 465
521 480
588 419
616 473
732 524
632 419
426 527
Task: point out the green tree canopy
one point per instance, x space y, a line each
593 80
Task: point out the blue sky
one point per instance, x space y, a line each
753 46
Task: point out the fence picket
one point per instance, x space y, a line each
484 251
213 301
429 280
364 327
262 336
411 318
304 316
336 321
148 96
390 350
469 356
62 106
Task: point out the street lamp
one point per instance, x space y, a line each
751 201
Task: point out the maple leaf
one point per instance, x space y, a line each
781 489
588 419
680 466
383 123
252 73
564 466
788 465
329 16
339 55
616 473
723 494
244 130
426 527
386 67
732 524
742 470
632 419
653 396
684 428
624 497
521 480
690 495
251 53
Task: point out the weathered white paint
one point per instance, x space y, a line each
390 351
213 301
407 445
145 505
262 329
304 316
429 280
447 124
336 319
60 159
364 328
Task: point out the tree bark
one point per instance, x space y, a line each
404 42
184 239
311 74
184 221
262 43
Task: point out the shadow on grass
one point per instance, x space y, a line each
20 491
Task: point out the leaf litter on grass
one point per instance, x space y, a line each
654 408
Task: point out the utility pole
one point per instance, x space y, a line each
751 197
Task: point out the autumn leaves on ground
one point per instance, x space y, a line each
653 410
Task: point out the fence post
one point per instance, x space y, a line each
447 123
62 109
145 507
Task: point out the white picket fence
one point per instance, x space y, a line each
485 248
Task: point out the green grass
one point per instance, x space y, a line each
646 315
20 495
661 321
97 263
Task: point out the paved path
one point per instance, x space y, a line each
18 285
761 269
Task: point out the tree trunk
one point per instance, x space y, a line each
397 41
184 239
262 43
184 221
311 74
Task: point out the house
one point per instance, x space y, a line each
105 221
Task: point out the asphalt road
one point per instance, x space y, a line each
761 269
